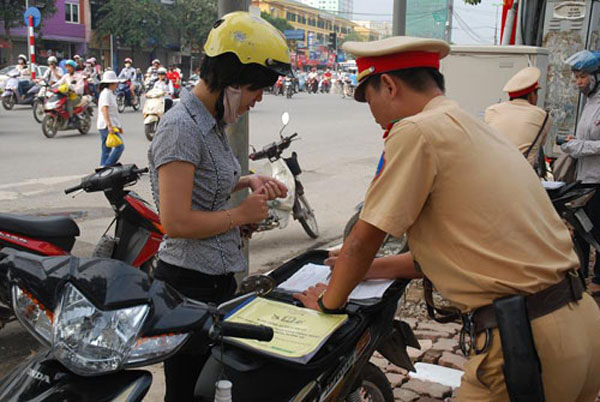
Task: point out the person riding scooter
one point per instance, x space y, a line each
24 75
165 85
54 73
128 73
74 81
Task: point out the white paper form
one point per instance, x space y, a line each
311 274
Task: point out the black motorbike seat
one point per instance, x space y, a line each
39 226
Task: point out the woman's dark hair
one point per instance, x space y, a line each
102 86
226 70
418 79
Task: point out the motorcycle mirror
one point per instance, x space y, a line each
260 284
285 118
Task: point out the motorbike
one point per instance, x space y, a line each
348 88
154 108
312 85
12 95
288 87
137 234
325 85
39 100
287 171
278 87
124 96
101 320
57 117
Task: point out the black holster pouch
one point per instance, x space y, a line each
522 368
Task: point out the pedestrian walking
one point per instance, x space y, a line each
108 118
585 148
193 172
480 227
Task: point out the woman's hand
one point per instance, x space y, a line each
269 186
333 256
253 210
569 138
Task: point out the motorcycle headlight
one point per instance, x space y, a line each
32 314
90 341
50 105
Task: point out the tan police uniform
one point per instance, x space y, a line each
517 119
481 226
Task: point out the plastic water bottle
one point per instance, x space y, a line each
223 391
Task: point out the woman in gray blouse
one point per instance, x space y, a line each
193 173
585 147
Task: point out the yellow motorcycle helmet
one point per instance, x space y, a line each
252 40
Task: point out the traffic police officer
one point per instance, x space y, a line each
519 119
480 227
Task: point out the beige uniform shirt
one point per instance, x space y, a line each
520 122
479 222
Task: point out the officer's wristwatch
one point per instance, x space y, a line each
328 310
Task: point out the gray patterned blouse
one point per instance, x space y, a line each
189 133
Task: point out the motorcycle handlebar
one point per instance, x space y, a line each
248 331
73 189
140 171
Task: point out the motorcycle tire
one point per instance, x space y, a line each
374 385
136 107
306 217
38 110
49 126
9 102
85 124
391 245
289 95
121 103
149 130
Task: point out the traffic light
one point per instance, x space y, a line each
332 40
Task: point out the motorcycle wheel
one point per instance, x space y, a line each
9 102
136 107
149 130
391 245
85 124
49 126
38 110
306 217
121 103
374 386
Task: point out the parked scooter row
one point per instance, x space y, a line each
137 230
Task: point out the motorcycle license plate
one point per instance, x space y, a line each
585 221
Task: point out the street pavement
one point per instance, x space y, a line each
338 152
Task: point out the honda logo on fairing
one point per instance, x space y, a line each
38 376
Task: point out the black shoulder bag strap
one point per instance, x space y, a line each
448 314
537 137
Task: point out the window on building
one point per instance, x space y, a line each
288 16
72 13
336 28
321 24
344 30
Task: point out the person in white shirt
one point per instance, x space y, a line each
128 73
54 73
108 118
74 80
166 86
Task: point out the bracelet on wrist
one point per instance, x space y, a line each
326 310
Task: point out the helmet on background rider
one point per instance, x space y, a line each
240 32
155 61
22 57
128 61
52 60
72 64
161 71
587 64
584 61
76 57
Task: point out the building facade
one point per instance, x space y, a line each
342 8
63 34
313 27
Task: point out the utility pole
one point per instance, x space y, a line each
399 21
448 33
238 133
496 24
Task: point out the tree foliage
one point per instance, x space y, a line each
12 11
277 22
194 19
352 37
135 23
472 2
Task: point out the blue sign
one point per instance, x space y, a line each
294 34
35 13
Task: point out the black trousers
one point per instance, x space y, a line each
592 209
183 369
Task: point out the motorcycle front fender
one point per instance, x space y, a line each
41 378
281 172
150 119
7 93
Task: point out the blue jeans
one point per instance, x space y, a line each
109 156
